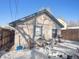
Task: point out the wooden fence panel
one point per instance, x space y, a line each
6 39
70 34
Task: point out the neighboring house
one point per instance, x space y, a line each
40 24
6 39
70 33
63 22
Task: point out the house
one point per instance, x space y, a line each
40 24
6 38
62 21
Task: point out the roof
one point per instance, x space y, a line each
3 27
77 27
34 15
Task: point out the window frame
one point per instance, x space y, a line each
40 29
54 33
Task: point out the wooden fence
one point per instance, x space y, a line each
70 34
6 39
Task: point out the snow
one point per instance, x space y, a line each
2 52
26 54
64 49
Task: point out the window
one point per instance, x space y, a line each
0 35
38 31
54 33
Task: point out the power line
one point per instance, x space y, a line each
10 9
16 8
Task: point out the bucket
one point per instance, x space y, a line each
19 48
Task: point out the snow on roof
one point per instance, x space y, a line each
7 27
73 27
62 22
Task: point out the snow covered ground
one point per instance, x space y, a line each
35 54
66 48
27 54
2 53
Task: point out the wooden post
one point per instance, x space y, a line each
19 41
34 29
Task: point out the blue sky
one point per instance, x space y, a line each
67 9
